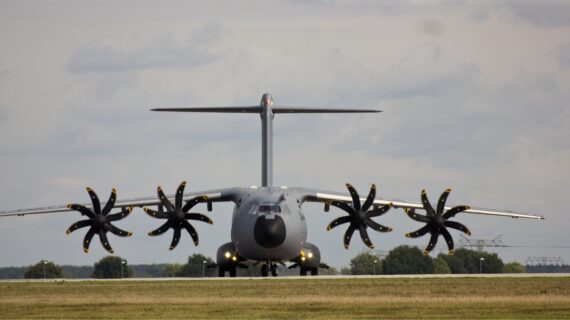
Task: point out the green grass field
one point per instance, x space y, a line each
390 298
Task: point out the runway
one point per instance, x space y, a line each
327 277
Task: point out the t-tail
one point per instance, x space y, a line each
266 111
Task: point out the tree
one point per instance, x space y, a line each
110 267
196 265
407 260
469 261
36 271
364 263
513 267
440 266
170 269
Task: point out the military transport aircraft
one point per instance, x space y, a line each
268 225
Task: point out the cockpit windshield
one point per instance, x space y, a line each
269 208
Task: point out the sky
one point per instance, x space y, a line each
474 93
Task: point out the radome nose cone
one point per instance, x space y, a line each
269 233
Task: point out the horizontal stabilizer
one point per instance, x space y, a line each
248 109
321 110
258 109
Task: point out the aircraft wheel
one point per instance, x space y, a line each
264 270
303 271
233 272
221 272
315 271
274 270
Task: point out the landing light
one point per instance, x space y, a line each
227 255
310 255
302 258
234 258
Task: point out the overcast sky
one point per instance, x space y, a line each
475 97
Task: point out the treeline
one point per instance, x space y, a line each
411 260
401 260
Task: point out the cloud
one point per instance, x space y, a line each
159 52
542 13
562 54
431 27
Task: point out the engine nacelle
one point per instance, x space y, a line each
228 259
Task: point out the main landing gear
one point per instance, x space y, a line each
268 267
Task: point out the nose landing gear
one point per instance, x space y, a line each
269 267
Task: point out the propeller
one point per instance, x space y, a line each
99 220
177 215
437 221
359 216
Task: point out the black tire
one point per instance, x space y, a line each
264 270
233 272
315 271
274 270
303 271
221 272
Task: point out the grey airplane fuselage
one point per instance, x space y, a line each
268 224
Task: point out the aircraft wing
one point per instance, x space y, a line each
327 197
217 195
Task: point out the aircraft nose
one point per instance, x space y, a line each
269 233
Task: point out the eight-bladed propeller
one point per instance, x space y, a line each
177 215
359 216
99 220
437 221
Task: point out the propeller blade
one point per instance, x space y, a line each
370 198
427 204
192 202
83 210
199 217
156 214
78 225
293 266
379 211
191 231
179 194
117 231
87 240
448 240
164 200
455 210
457 226
105 241
365 237
162 229
442 201
376 226
110 203
121 215
345 207
418 233
94 200
354 195
175 237
338 221
432 243
418 217
348 235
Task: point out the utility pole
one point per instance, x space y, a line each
45 262
481 265
122 263
204 268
